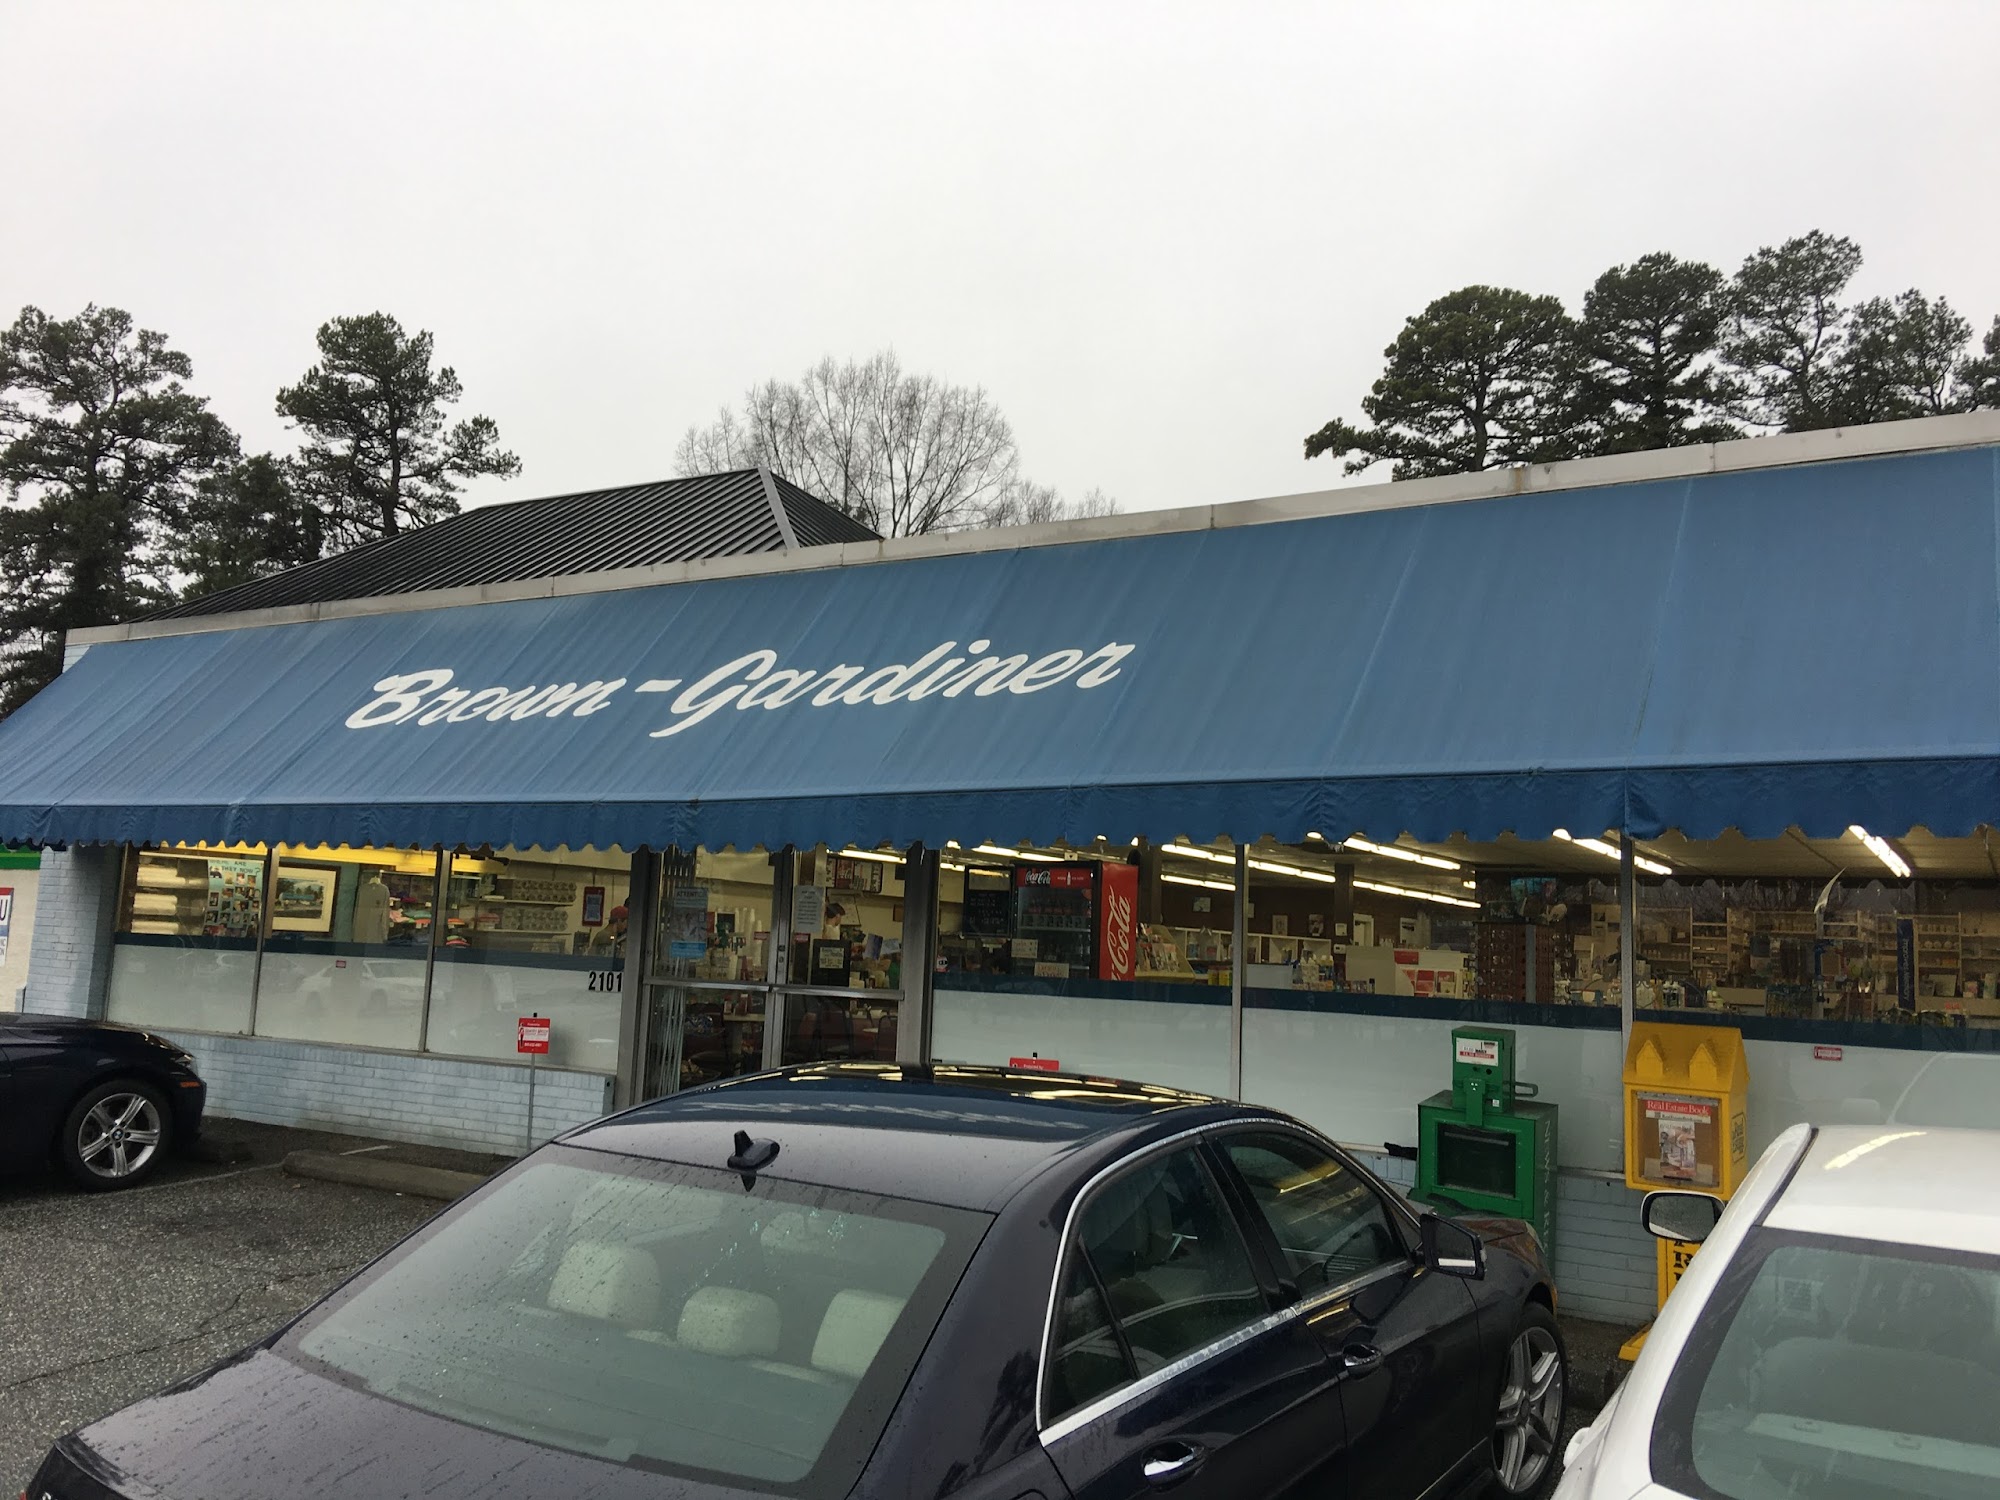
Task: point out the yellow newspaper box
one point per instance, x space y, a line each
1686 1101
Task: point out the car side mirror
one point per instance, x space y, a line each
1674 1214
1451 1249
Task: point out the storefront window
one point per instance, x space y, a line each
1364 952
1801 930
708 1008
1299 896
533 932
847 935
1863 971
1057 913
975 917
1084 956
1187 904
185 951
346 947
847 919
715 917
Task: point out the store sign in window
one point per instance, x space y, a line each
687 922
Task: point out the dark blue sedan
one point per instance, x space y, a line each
103 1102
881 1281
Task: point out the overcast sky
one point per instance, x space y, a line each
1168 240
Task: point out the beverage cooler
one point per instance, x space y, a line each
1076 920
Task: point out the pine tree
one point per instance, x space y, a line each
1899 358
245 522
1979 374
102 450
378 454
1786 331
1648 342
1484 376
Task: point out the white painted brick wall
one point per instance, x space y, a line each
69 962
1604 1259
429 1101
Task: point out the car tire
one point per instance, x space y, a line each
115 1136
1529 1409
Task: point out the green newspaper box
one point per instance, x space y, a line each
1484 1145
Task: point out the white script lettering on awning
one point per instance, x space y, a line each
755 679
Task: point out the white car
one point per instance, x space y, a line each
1837 1337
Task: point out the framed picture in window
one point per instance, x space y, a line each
304 898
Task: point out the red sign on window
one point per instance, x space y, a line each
531 1034
1034 1064
1118 923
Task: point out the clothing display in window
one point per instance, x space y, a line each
371 911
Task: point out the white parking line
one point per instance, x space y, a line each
161 1187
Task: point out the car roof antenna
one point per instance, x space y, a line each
751 1158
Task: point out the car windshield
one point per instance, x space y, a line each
1838 1369
657 1315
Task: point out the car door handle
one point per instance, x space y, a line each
1170 1463
1359 1359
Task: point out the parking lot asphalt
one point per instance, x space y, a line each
110 1296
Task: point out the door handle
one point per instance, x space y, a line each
1170 1463
1359 1359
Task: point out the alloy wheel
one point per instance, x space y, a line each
1531 1404
119 1135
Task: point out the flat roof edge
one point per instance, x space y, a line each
1745 455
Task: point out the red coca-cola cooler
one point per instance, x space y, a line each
1076 920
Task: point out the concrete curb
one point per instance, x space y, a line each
389 1176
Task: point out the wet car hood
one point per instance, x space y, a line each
259 1427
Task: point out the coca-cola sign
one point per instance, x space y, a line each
1056 877
1118 927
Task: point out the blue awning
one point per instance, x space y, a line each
1812 646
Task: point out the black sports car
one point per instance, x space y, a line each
104 1102
870 1280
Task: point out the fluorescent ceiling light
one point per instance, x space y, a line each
874 854
1005 853
1299 871
1396 851
1271 867
1403 890
1211 885
1883 850
1610 851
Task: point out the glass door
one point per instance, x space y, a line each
830 1027
708 991
701 1032
843 996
